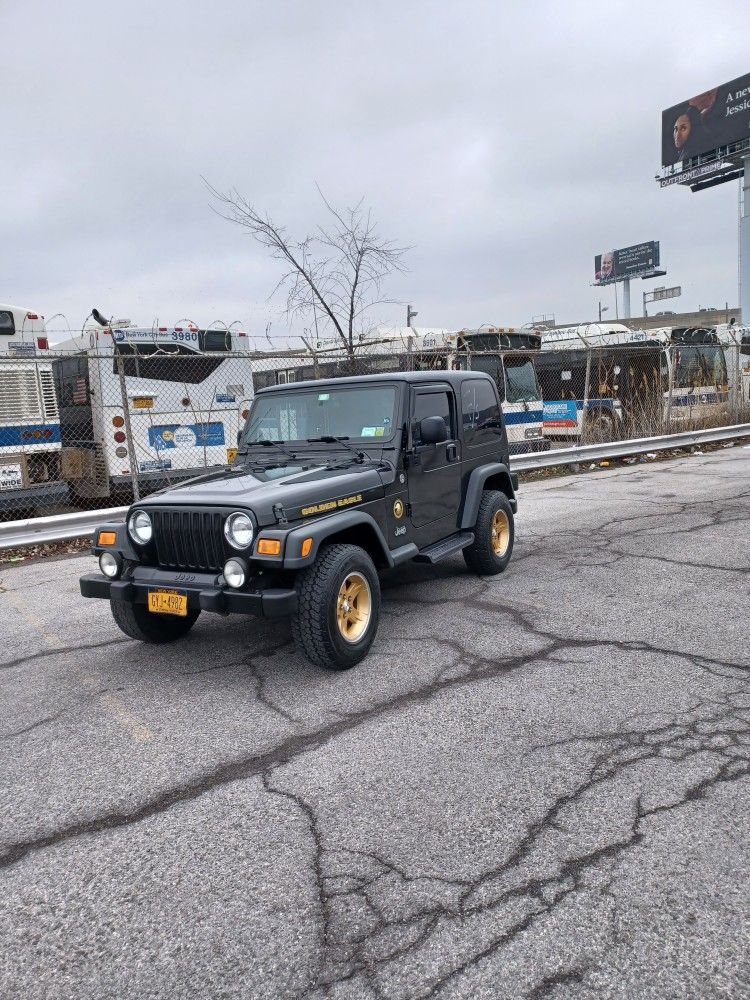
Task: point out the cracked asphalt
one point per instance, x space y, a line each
536 786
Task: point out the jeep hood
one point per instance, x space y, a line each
290 486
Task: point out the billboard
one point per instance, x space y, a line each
630 262
698 126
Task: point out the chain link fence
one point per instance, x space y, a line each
93 428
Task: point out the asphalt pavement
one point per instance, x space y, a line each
537 785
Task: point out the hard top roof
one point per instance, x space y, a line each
413 378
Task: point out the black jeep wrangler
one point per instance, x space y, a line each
333 481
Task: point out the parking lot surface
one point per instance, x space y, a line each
537 785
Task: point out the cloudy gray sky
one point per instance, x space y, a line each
508 142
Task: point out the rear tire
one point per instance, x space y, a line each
136 621
494 533
338 607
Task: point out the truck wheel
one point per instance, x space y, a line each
491 549
338 607
138 622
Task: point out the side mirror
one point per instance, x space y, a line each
433 430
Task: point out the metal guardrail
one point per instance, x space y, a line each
622 449
60 527
56 527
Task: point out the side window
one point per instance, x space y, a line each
7 326
433 404
480 413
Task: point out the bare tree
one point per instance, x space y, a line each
334 274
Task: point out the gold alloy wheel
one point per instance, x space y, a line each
353 607
500 533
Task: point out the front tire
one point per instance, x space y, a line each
136 621
494 533
338 607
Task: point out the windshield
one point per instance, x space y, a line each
360 413
521 381
699 366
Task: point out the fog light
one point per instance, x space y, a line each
235 573
110 565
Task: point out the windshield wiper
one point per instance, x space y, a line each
360 456
265 443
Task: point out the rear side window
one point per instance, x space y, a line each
480 413
433 404
7 326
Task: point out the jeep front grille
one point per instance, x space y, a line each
189 539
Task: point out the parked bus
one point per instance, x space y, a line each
735 342
630 381
30 474
507 354
153 404
510 357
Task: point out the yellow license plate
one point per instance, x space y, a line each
231 456
143 402
168 602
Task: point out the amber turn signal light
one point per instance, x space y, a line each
107 538
306 546
269 546
118 421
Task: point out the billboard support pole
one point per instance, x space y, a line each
745 247
626 298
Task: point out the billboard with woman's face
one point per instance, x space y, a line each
701 124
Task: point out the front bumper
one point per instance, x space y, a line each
203 592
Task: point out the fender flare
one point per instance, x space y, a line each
475 486
326 527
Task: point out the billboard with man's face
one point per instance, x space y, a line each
701 124
629 262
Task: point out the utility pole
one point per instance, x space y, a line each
410 314
745 246
626 298
602 309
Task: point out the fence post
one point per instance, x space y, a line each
670 387
128 429
586 384
736 393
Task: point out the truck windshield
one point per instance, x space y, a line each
521 381
359 413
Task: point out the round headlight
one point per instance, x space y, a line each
238 530
139 527
109 564
234 573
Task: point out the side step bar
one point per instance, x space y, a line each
445 547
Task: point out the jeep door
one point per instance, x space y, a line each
434 470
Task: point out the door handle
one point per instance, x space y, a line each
451 452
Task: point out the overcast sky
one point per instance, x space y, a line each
508 142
